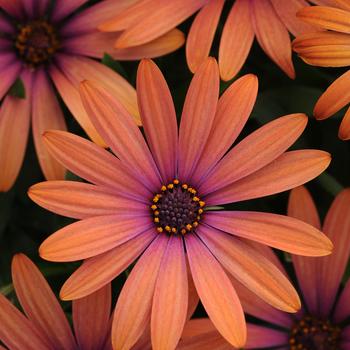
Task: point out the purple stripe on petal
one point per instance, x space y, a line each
8 76
5 26
63 8
261 337
342 309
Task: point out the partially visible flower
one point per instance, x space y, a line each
41 44
43 324
323 322
270 21
156 199
329 47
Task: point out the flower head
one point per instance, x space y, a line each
323 322
327 45
41 45
270 21
43 324
155 198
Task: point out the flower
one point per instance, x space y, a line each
156 198
41 44
270 21
43 324
329 48
322 322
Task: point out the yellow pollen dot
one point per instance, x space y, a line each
176 181
195 224
160 229
170 186
163 188
201 204
185 187
156 219
153 207
195 199
156 213
189 227
167 228
174 230
200 211
183 231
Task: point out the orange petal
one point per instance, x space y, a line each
92 236
81 200
326 17
9 74
148 19
158 118
133 311
79 68
271 140
170 300
332 268
16 329
117 128
216 292
40 304
236 39
201 34
290 170
91 317
94 164
13 135
344 129
252 269
277 231
47 114
301 206
334 98
233 110
197 116
96 272
193 298
272 35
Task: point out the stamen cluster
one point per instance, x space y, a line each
177 209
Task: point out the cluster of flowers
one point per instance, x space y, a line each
155 196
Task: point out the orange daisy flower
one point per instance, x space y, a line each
270 21
323 322
41 45
157 198
44 326
329 48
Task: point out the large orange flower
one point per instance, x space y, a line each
44 326
41 44
157 197
329 48
270 21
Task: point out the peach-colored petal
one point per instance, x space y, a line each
158 118
334 98
236 39
145 20
332 268
94 164
277 231
301 206
197 116
170 300
290 170
252 269
79 68
326 17
233 110
271 140
120 132
81 200
16 329
197 326
205 341
344 128
216 292
40 304
287 14
133 311
193 298
97 271
70 95
201 34
91 317
46 114
14 128
92 236
272 35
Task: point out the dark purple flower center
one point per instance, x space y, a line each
36 42
177 209
311 333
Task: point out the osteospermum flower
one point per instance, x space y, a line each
323 322
43 324
155 198
41 44
329 48
270 21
